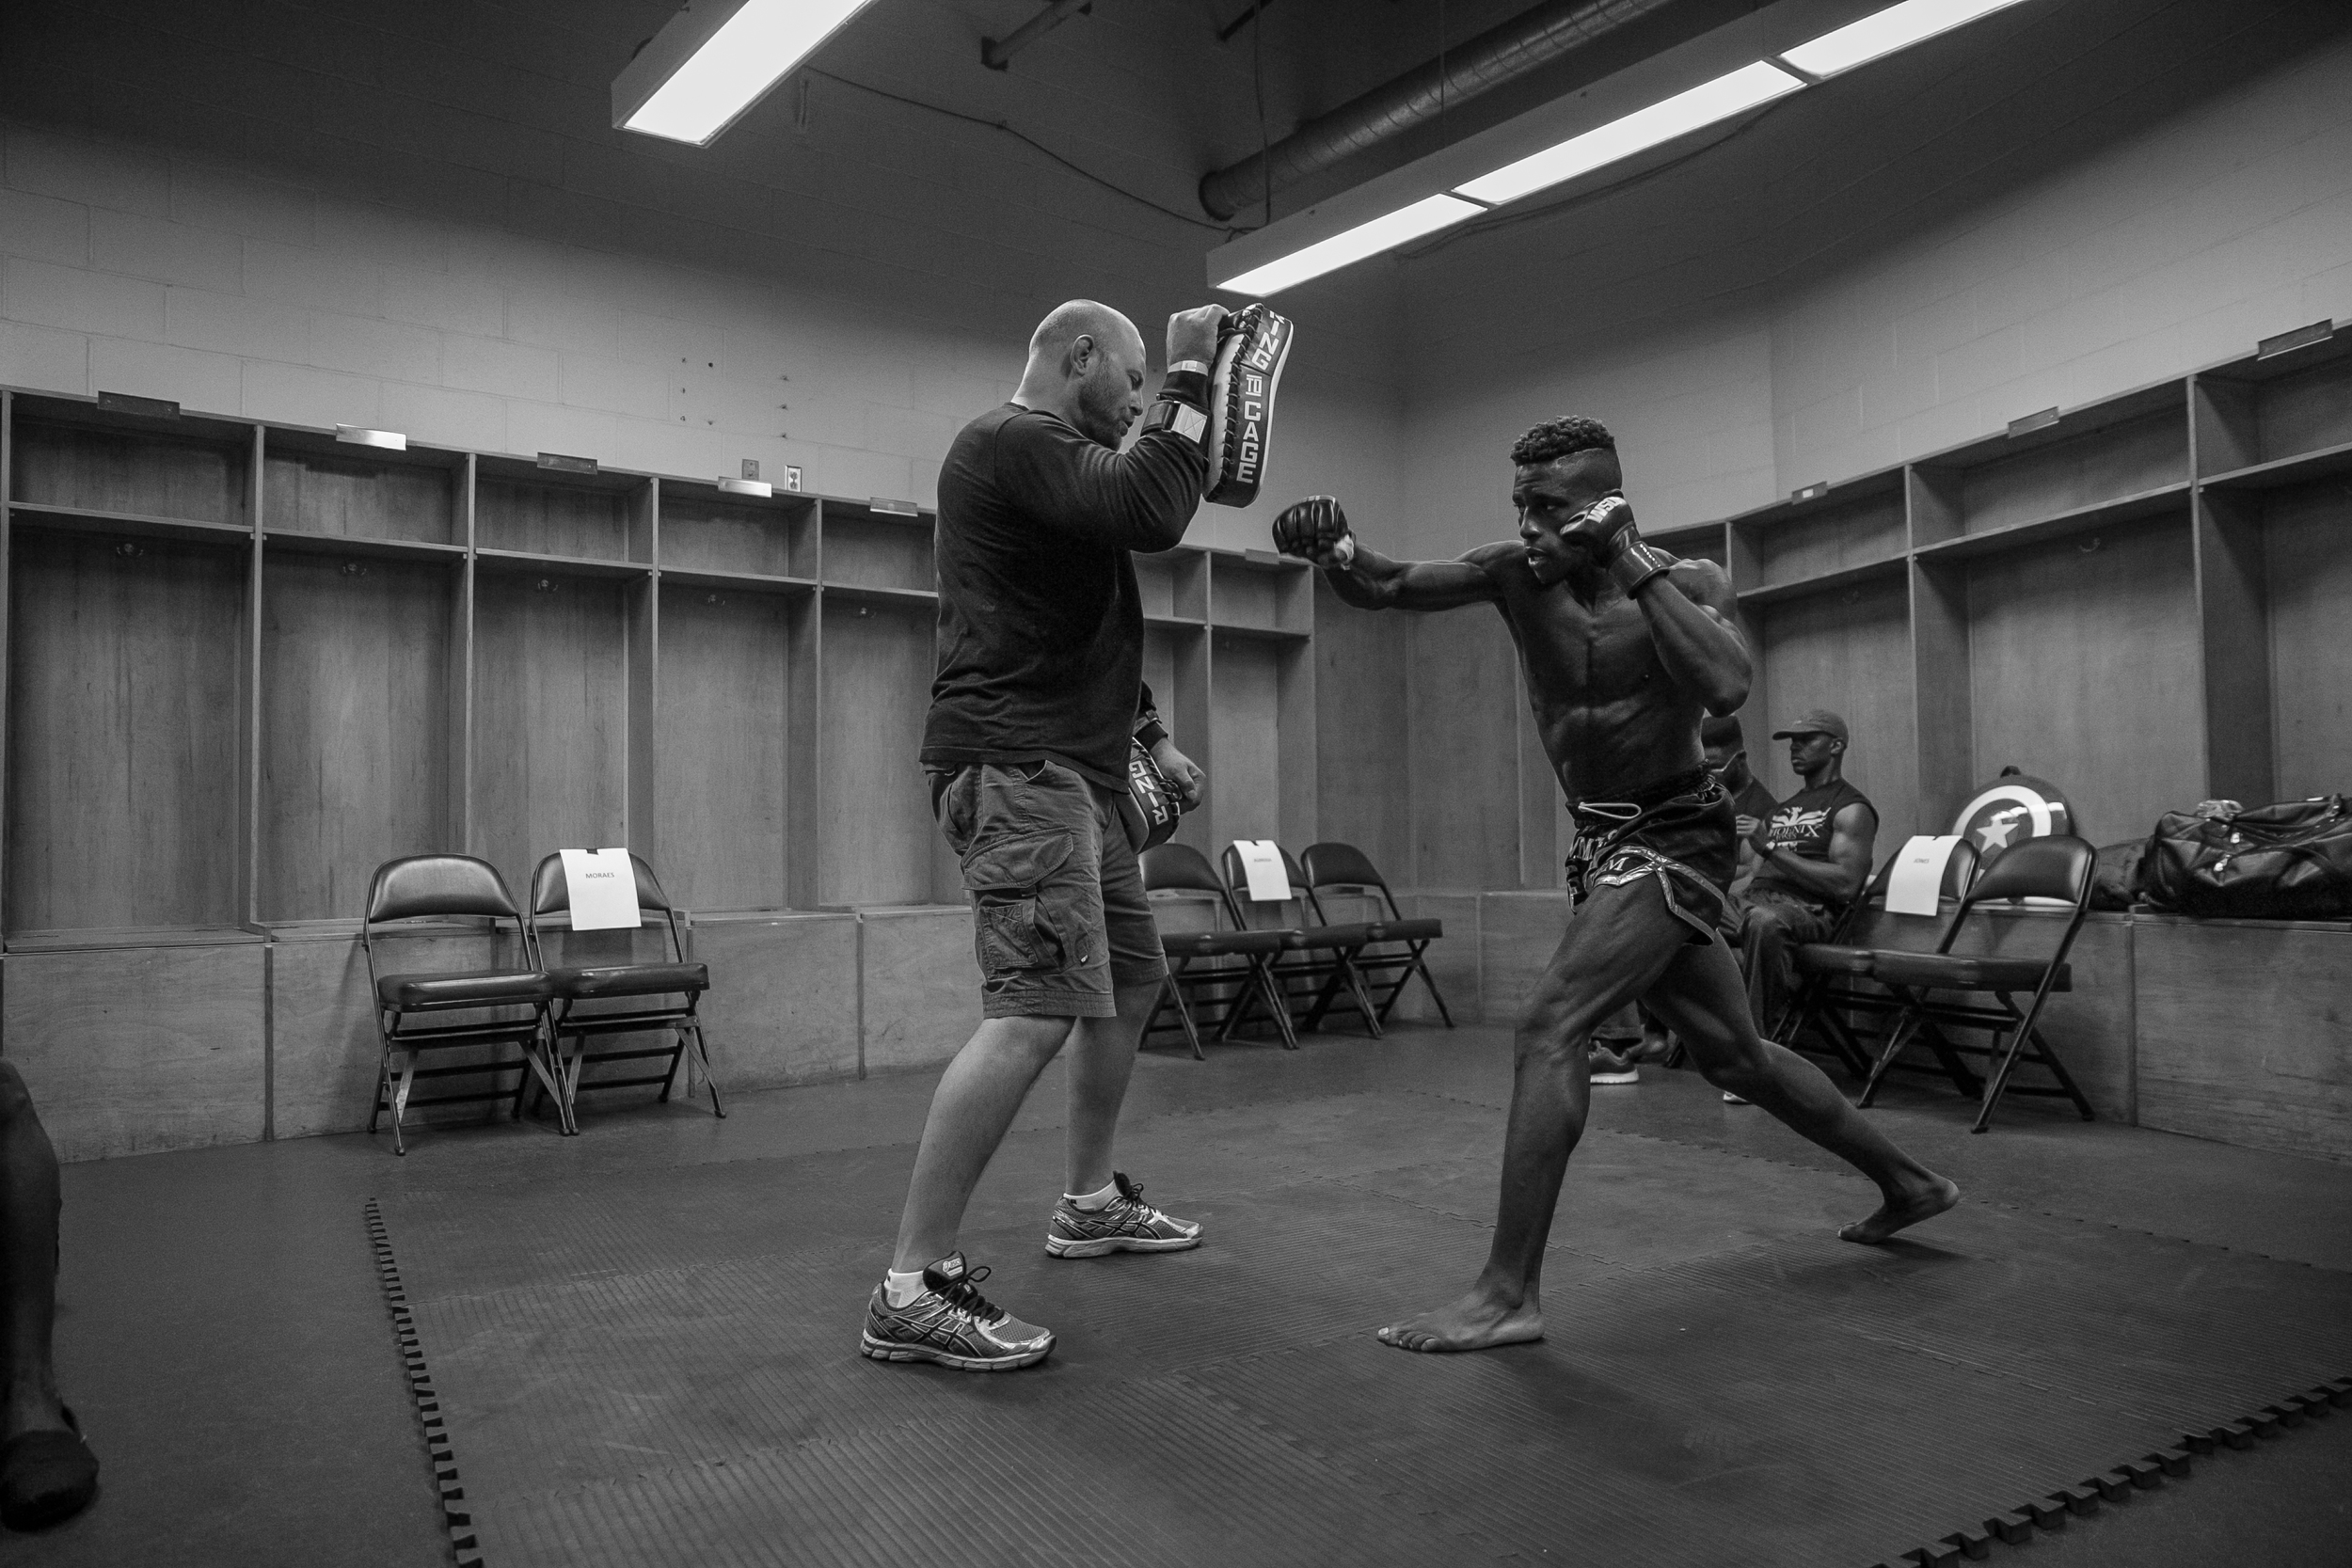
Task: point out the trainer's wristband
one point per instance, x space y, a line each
1186 383
1197 367
1188 422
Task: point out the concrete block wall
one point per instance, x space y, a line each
2172 249
134 269
2178 247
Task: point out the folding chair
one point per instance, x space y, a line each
1232 992
2058 867
1334 864
441 887
1833 975
680 976
1323 956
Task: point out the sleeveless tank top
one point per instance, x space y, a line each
1803 823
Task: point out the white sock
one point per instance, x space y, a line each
899 1288
1092 1203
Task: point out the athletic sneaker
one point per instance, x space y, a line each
950 1323
1731 1098
1609 1068
1126 1224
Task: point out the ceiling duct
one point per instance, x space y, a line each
1500 55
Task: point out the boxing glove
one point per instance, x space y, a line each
1316 530
1606 532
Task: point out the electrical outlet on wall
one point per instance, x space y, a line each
751 468
791 476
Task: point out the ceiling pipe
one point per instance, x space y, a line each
1535 39
996 56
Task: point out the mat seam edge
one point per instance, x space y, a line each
456 1514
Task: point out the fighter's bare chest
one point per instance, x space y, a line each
1594 652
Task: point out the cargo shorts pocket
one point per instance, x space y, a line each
1014 924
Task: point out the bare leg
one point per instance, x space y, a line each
1701 997
1102 1058
974 1104
1617 944
28 1261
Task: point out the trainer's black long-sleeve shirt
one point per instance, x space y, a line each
1041 623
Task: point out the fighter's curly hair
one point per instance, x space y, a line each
1570 432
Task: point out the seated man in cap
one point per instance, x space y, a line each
1814 859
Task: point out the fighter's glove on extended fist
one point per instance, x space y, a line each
1251 347
1606 532
1316 530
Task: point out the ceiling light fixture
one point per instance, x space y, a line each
1736 92
1883 32
714 59
1750 87
1425 216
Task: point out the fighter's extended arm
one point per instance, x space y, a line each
1316 530
1853 833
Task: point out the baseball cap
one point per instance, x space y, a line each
1821 720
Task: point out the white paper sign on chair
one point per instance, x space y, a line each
1262 862
1918 879
603 887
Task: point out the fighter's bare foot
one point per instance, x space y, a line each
1477 1322
1896 1212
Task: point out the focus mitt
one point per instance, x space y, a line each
1251 349
1152 805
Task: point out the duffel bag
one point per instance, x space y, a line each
2115 885
2288 862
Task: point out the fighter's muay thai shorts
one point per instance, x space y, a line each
1681 831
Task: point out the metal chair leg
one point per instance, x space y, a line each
1897 1038
710 1079
1172 992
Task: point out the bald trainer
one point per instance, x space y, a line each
1626 649
1038 698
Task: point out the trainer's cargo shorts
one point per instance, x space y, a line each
1058 913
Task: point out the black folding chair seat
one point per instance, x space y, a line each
580 984
439 888
471 988
1321 956
676 976
1224 993
1944 990
1391 952
1420 928
1210 945
1837 988
1947 971
1828 957
1346 936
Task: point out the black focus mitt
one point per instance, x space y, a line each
1251 349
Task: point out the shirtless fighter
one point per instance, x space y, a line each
1626 650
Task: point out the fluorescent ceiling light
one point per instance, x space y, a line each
1424 216
735 66
358 435
1685 112
1883 33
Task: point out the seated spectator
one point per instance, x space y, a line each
1727 759
47 1473
1814 857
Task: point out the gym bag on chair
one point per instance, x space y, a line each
2288 861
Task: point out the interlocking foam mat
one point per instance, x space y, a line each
662 1366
